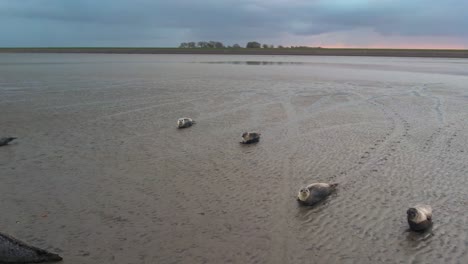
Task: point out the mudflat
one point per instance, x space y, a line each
101 174
430 53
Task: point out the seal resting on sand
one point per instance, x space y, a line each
419 217
14 251
315 192
250 137
5 140
185 122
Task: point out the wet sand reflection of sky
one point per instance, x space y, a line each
258 62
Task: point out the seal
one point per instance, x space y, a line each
14 251
5 140
315 192
185 122
250 137
419 217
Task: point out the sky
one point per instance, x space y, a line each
161 23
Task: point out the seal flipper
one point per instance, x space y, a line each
5 140
13 250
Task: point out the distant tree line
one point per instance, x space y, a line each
249 45
202 44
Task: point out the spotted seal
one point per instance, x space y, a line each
250 137
419 217
315 192
185 122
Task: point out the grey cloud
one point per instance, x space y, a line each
161 22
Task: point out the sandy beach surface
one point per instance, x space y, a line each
100 174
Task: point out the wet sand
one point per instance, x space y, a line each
100 174
425 53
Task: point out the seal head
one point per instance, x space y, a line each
419 218
303 194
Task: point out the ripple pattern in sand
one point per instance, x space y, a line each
99 159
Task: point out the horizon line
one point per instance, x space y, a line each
285 47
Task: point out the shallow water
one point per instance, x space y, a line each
100 174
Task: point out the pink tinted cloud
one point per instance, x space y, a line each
367 38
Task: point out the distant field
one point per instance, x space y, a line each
244 51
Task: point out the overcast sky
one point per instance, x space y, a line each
158 23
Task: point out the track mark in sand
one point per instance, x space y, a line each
442 138
406 125
281 230
380 150
428 143
452 136
438 110
450 139
144 108
437 105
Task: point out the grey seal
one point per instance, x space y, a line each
5 140
315 192
185 122
13 250
419 217
250 137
